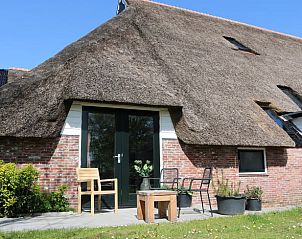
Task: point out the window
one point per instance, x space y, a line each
252 161
239 46
121 6
296 119
298 123
274 116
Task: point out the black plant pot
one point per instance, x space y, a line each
231 205
253 204
184 200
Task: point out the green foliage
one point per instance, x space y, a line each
57 200
144 170
224 188
54 201
17 189
165 187
253 192
19 193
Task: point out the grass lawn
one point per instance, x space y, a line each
286 224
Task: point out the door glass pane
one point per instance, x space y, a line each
141 131
100 146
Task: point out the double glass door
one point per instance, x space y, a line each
112 139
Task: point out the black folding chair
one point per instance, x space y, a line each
169 179
204 184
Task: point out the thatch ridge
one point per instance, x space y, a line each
157 55
223 19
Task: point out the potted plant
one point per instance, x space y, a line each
184 197
229 200
253 195
144 170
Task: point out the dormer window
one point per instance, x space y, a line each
291 123
239 46
121 6
296 119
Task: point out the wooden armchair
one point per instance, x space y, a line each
90 175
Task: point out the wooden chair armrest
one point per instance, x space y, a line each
108 180
83 180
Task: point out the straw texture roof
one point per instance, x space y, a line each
158 55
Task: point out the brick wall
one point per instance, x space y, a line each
56 159
282 184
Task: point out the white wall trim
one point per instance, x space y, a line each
120 106
73 122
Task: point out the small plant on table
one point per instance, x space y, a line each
144 170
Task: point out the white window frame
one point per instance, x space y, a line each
264 158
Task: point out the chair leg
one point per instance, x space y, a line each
99 202
115 196
210 203
115 202
92 204
201 201
79 200
178 207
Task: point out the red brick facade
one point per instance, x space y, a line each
282 185
58 158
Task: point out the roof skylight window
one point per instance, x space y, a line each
239 46
122 5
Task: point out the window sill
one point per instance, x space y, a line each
253 174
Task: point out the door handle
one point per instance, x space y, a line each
118 157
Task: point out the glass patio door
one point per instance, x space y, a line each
112 139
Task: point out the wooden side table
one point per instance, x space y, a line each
166 200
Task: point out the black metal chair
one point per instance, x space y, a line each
169 179
204 184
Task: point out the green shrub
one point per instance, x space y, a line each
253 192
17 189
19 193
52 202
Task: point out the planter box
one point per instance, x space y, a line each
231 205
253 204
184 200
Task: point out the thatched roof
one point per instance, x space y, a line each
158 55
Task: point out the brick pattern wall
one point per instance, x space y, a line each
282 184
56 159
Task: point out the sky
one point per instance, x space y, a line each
34 30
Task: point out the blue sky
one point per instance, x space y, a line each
34 30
